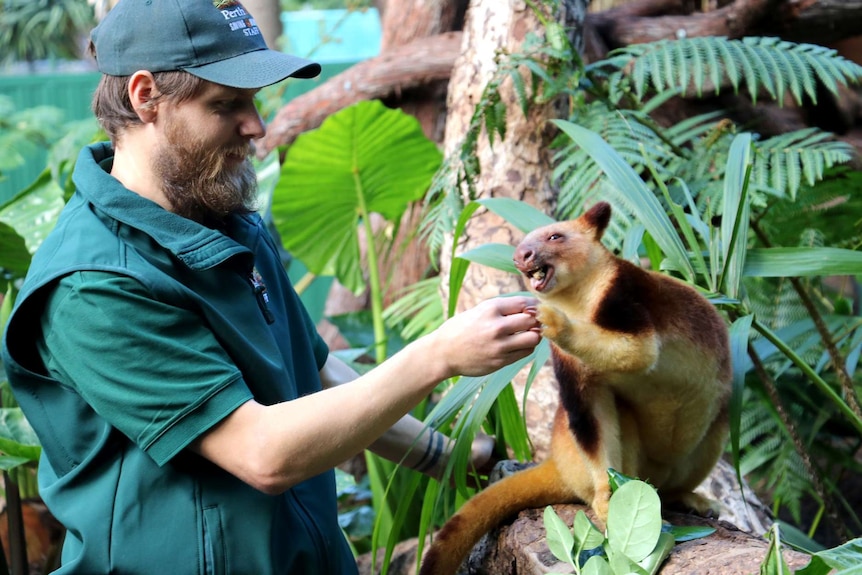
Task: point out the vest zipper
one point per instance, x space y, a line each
259 290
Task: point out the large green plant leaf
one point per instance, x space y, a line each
802 261
14 257
17 438
740 332
33 212
735 214
366 158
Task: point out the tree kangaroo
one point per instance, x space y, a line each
643 366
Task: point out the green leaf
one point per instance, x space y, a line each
597 566
17 438
498 256
621 564
520 214
513 428
617 479
8 462
774 563
6 306
559 537
794 537
684 533
740 333
355 327
846 558
14 256
586 534
268 171
802 262
34 211
634 520
652 562
735 214
364 159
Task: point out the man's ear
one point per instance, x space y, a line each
142 91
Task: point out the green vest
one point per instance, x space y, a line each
141 509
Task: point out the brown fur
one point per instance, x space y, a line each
643 365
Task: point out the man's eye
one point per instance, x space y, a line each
226 105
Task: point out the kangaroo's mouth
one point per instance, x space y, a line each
540 277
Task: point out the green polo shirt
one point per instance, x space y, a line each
135 332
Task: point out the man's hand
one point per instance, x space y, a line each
488 336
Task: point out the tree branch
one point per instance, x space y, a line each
815 21
409 66
640 24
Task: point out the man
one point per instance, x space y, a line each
190 415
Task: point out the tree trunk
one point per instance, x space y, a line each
267 15
413 67
518 166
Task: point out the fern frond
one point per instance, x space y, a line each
684 132
784 162
577 175
760 63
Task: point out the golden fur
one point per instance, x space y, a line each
643 365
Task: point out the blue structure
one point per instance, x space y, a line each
332 35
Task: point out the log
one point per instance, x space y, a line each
644 23
814 21
520 548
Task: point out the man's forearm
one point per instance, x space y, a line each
409 442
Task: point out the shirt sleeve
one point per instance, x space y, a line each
150 369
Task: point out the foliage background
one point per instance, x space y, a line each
798 448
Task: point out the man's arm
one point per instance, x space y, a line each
410 442
275 447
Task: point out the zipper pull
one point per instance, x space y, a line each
259 289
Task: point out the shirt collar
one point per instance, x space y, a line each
197 246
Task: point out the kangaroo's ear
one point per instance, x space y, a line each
597 218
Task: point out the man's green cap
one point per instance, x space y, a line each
217 40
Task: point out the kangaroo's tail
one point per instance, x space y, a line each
533 487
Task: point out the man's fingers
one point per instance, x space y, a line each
516 304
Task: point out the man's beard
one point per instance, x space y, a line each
198 181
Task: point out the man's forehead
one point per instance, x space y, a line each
212 90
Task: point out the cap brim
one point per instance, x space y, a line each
256 69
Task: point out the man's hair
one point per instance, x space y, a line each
114 110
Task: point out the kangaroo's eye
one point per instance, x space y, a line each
553 237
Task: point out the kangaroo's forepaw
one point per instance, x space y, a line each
554 322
